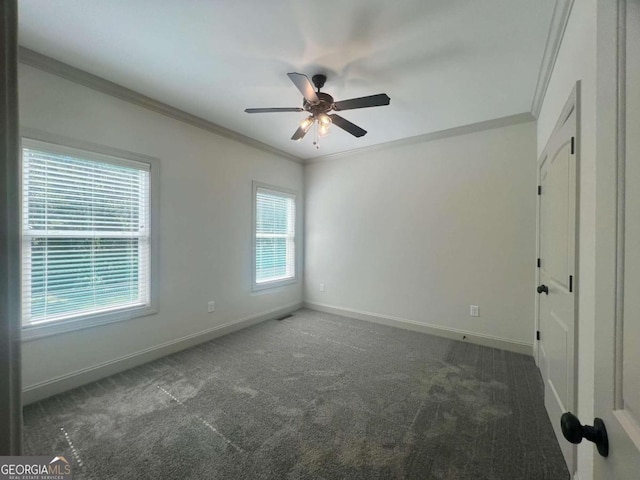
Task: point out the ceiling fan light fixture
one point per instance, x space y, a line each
323 131
306 123
324 124
324 119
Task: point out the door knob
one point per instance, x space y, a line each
543 288
574 432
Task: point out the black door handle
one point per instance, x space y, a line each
574 431
543 288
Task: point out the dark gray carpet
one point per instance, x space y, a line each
315 396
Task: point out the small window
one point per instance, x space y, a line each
86 238
274 236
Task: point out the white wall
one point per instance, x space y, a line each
419 232
205 223
577 61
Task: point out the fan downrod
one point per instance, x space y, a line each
318 80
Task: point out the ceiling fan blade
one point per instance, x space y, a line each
299 133
271 110
347 126
306 88
363 102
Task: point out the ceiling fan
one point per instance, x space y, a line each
319 104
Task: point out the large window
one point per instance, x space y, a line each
85 238
274 236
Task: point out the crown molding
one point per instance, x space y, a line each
81 77
429 137
559 20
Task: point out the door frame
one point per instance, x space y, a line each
572 105
10 319
610 219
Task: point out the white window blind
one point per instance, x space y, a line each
85 235
275 236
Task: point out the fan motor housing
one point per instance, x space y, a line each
326 104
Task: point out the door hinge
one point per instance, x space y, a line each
537 334
539 189
570 283
538 263
573 145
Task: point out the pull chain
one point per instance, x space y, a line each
316 142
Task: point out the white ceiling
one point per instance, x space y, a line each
444 63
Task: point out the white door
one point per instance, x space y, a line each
617 343
557 275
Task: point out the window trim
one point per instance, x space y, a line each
261 287
90 151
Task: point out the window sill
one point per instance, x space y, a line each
272 287
34 332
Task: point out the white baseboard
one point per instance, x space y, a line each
455 334
47 388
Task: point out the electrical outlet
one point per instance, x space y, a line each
211 307
322 287
474 311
